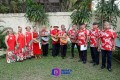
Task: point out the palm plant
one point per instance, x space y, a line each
83 13
107 11
36 13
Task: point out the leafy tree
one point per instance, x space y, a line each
36 13
107 11
82 13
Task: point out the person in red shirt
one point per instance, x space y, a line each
94 35
55 41
44 34
72 35
20 39
36 46
28 38
107 41
10 41
82 39
63 46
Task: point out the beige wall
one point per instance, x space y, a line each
56 18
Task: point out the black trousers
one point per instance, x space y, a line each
94 55
72 48
63 49
45 49
55 49
106 55
82 54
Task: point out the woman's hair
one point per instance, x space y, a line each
7 32
27 27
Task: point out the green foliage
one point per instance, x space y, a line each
107 11
83 13
14 6
4 8
117 53
2 38
81 16
36 13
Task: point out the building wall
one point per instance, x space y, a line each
56 18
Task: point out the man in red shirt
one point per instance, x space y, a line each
107 41
94 35
55 41
82 39
63 46
72 35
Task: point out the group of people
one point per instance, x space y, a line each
25 46
28 45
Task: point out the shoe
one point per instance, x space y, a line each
102 67
109 69
84 62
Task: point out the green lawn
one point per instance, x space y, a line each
41 69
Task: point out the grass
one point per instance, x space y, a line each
41 69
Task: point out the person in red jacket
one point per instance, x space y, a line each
107 43
10 41
55 42
36 46
20 39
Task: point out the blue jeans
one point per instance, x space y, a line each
106 55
